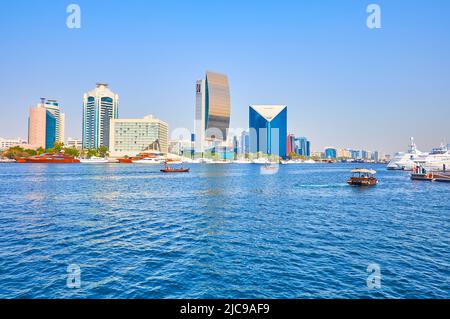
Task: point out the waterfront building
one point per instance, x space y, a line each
42 127
181 147
330 152
343 153
290 144
355 154
317 154
8 143
99 107
303 146
268 129
212 110
52 106
74 143
235 146
244 143
133 136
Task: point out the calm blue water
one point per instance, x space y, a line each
220 232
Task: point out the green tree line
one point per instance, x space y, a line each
18 152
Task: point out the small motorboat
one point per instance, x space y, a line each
168 169
420 174
269 169
363 177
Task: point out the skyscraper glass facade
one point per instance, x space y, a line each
99 107
50 130
212 110
268 129
303 146
330 152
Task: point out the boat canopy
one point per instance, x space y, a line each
364 171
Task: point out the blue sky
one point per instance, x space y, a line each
344 84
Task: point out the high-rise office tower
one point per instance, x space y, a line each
52 106
290 144
303 146
268 129
99 107
42 127
212 110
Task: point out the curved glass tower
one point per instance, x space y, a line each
99 107
212 110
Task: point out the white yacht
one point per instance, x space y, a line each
288 162
310 161
438 160
148 160
405 161
94 160
242 161
7 160
261 161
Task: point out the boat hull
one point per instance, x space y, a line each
362 181
175 170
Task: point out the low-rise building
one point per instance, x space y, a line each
75 143
8 143
132 136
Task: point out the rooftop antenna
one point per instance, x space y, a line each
42 100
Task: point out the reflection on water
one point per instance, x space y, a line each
219 231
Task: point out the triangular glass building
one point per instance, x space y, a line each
268 129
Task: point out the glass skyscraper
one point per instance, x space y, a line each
99 107
268 129
52 106
330 152
302 146
212 110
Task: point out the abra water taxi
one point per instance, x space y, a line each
168 169
363 177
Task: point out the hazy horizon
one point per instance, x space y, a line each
345 85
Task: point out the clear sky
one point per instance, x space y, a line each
345 85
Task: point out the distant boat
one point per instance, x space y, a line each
94 160
310 161
51 158
175 170
438 160
7 160
168 169
242 161
148 160
363 177
261 161
125 160
291 162
269 169
405 161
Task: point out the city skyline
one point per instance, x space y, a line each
335 74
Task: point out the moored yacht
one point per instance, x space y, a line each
242 161
405 161
260 161
437 161
7 160
148 160
94 160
